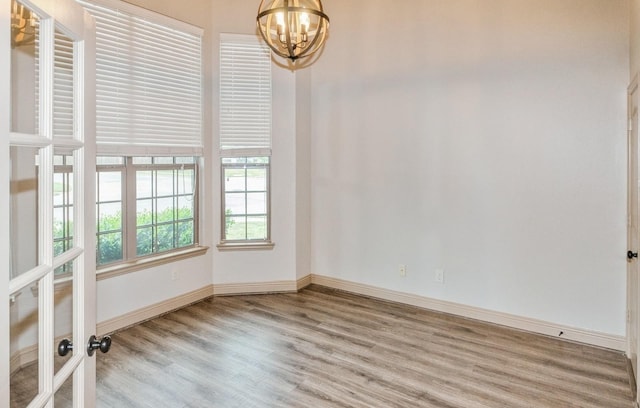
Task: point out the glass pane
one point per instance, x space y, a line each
165 237
234 180
234 160
144 241
235 228
23 347
163 160
63 86
24 64
185 160
186 181
109 217
109 160
257 227
257 179
142 160
144 210
109 248
109 186
256 203
23 218
66 268
64 396
165 210
234 203
185 207
185 234
63 319
258 160
63 209
144 184
165 185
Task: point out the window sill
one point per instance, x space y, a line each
138 264
245 246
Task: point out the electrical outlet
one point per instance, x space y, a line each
402 268
174 275
439 277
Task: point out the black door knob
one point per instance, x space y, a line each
65 347
103 344
631 254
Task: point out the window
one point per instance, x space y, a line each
245 139
145 206
148 132
246 198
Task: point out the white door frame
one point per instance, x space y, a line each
69 16
5 95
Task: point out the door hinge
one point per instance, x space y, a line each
630 125
628 316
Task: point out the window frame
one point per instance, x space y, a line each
130 259
246 242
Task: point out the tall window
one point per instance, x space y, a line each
245 139
148 131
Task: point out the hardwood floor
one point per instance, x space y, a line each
325 348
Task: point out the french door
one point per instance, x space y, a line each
47 154
633 234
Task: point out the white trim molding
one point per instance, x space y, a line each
149 312
304 282
517 322
229 289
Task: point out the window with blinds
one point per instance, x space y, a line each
245 94
148 82
245 142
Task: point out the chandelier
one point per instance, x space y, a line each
24 25
293 28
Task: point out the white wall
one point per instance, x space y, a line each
486 138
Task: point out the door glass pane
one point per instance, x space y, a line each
23 218
63 209
24 69
64 396
23 347
63 318
63 86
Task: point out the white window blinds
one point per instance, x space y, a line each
245 93
148 82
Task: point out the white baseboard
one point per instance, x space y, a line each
228 289
518 322
304 282
149 312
